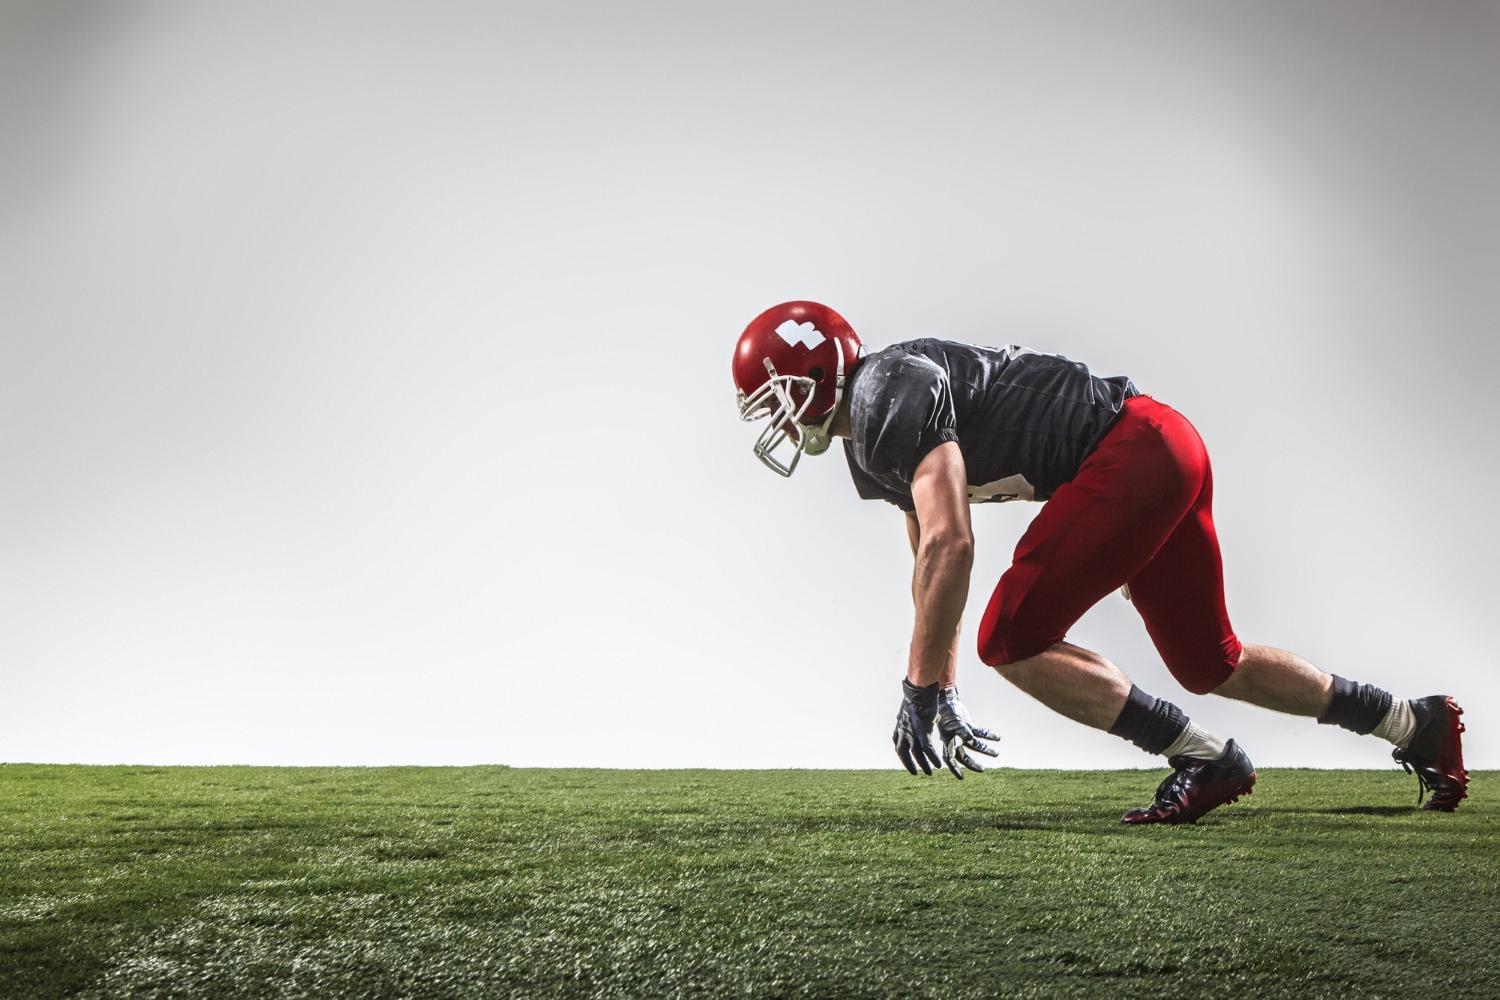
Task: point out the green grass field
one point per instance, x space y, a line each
496 882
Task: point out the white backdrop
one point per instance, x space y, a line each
364 368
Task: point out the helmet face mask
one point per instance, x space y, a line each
775 403
782 370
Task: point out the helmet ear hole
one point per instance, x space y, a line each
816 373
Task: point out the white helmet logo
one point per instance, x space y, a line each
795 333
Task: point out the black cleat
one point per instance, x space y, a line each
1436 753
1197 786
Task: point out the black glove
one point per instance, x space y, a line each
959 735
913 736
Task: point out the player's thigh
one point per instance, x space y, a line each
1080 547
1179 594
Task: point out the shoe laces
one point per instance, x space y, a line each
1423 788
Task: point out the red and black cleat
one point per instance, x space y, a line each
1197 786
1436 753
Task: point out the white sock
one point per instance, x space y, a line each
1194 742
1399 724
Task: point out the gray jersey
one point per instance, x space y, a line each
1024 421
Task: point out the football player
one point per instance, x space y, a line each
933 426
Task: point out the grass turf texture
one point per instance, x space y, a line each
495 882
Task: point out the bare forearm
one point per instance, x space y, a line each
949 676
940 586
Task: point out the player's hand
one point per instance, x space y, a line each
914 721
960 735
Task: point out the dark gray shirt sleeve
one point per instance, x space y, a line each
903 414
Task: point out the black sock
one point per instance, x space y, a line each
1357 707
1149 723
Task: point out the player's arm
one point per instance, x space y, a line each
949 676
958 732
944 548
944 556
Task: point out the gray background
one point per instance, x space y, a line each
364 369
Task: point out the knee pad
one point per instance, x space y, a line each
1199 683
1204 673
1001 641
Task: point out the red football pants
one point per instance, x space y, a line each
1139 512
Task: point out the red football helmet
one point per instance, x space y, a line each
790 366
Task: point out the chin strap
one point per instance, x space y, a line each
815 440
